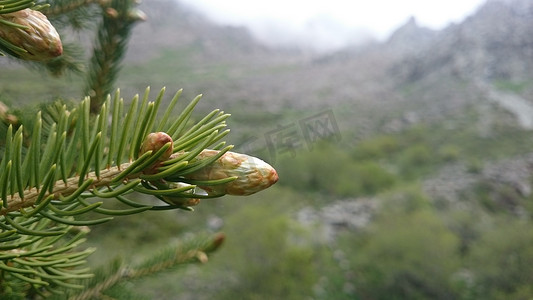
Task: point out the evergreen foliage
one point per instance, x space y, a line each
58 172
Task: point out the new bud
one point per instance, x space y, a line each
253 174
39 38
155 141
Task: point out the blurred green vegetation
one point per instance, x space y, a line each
23 86
330 169
511 86
414 247
410 256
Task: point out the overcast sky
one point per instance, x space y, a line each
330 24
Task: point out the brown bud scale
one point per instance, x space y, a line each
155 141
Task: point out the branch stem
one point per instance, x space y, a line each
65 189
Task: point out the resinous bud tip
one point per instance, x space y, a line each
35 35
253 174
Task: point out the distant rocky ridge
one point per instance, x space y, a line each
172 25
494 43
411 38
418 71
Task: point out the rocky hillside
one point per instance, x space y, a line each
417 75
493 44
172 25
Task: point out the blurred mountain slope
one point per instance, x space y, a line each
417 75
433 72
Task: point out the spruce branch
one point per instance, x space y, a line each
191 251
126 155
88 160
118 19
57 180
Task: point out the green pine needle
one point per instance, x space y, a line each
44 190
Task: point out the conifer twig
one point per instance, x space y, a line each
166 260
62 189
118 19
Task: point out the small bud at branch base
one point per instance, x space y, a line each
155 141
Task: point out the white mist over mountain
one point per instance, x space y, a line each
329 25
